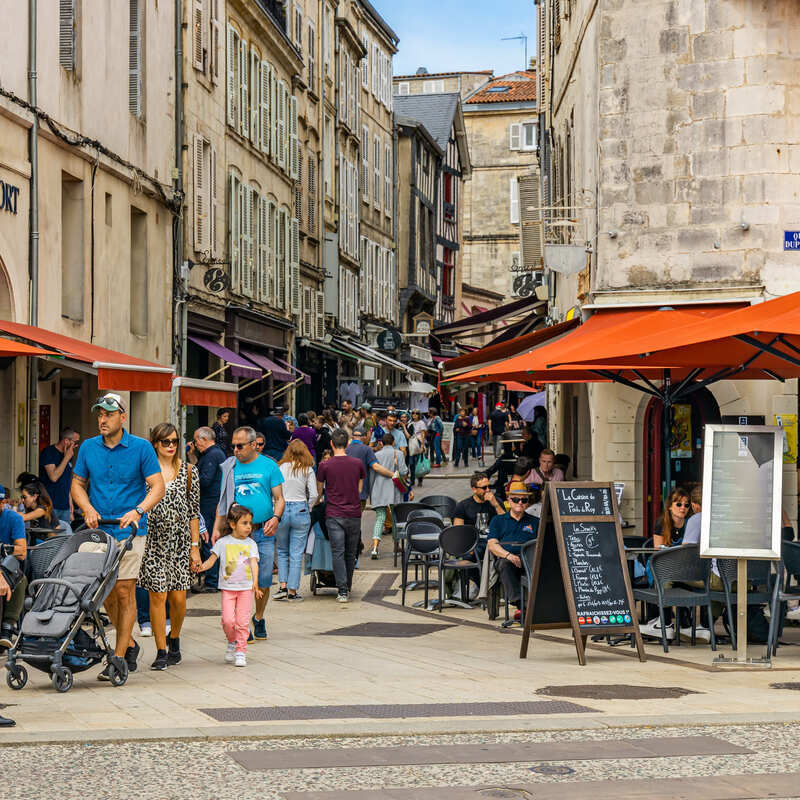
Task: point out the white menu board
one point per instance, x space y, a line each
742 476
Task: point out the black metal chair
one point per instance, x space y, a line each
421 548
399 513
678 565
442 503
458 551
428 514
788 567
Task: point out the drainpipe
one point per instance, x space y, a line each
33 255
181 276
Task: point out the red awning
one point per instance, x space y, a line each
214 394
115 370
10 349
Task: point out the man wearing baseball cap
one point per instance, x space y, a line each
117 476
498 420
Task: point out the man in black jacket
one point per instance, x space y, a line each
209 458
498 420
276 434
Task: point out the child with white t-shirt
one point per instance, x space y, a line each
238 580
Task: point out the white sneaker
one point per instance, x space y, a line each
229 651
699 633
169 627
145 629
240 660
653 628
473 591
793 614
343 597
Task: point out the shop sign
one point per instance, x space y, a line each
389 340
791 240
8 197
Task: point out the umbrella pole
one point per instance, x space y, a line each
667 423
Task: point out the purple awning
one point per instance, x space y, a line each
278 373
240 367
306 378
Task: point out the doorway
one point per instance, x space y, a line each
690 415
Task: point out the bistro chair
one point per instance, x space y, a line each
421 547
458 551
527 553
759 575
428 514
442 503
678 565
400 513
788 567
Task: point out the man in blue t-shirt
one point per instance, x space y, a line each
117 476
55 472
12 532
254 481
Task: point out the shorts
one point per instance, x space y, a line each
266 557
131 561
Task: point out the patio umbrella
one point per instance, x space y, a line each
525 408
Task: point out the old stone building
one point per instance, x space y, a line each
667 151
423 82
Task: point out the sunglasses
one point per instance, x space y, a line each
259 444
681 505
518 500
168 442
241 446
482 488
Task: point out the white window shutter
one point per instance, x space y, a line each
198 28
264 105
514 134
66 34
376 58
212 204
319 315
233 89
251 220
200 211
244 89
392 293
273 113
135 58
277 258
365 61
255 101
376 166
295 265
295 143
269 263
282 124
387 180
513 200
258 289
365 163
235 241
287 260
213 62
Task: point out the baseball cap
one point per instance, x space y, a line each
109 402
500 404
366 406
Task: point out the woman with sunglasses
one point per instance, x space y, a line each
173 544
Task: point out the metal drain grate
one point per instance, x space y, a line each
552 769
790 685
202 612
417 710
397 630
615 691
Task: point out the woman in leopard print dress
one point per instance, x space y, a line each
172 544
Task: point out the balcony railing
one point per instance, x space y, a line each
276 10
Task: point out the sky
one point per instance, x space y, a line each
453 35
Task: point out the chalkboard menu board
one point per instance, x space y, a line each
580 574
742 477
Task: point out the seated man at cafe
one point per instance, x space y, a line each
482 502
507 534
547 470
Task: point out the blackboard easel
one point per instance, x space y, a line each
589 513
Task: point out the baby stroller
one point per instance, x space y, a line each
321 563
52 637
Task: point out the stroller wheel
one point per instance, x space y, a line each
313 584
117 672
62 679
16 677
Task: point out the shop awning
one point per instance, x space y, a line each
115 370
240 366
516 386
298 372
527 305
10 349
414 387
278 373
493 353
197 392
363 351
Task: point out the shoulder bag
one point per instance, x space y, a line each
400 483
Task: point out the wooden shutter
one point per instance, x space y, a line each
365 163
311 61
277 259
255 97
362 283
311 180
531 222
269 264
273 114
541 66
244 91
213 61
365 61
250 199
198 32
319 315
514 136
234 235
307 318
261 248
212 205
66 34
513 199
376 166
200 210
282 124
295 264
135 59
293 140
264 104
287 260
387 180
376 59
233 89
298 190
392 293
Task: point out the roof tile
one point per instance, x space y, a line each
511 88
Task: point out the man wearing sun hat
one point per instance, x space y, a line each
117 476
507 534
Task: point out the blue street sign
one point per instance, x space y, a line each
791 240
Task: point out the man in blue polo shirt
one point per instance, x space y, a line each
507 534
12 532
117 476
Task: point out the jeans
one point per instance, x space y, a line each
266 557
461 449
436 448
510 576
290 541
236 608
412 468
473 443
63 514
143 606
344 534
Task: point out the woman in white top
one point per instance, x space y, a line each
300 494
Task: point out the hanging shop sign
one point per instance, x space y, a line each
389 340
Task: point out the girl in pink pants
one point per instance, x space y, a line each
238 579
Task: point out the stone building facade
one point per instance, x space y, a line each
671 147
423 82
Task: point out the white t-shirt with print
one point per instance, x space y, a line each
234 562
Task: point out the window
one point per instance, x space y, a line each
265 104
365 164
376 78
298 29
513 195
234 232
294 141
205 196
365 61
71 247
199 36
244 91
498 89
298 190
529 136
328 40
232 56
264 274
311 181
66 34
387 180
310 58
254 84
402 88
213 61
376 166
138 273
328 146
135 63
433 87
293 271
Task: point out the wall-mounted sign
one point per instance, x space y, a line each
791 240
8 197
423 323
389 340
216 279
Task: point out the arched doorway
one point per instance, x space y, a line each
690 415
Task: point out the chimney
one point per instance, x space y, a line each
422 71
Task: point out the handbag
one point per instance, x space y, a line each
414 445
401 484
423 466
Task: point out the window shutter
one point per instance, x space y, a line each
255 102
264 105
244 90
392 293
212 205
198 27
260 248
66 34
295 265
311 59
298 190
282 124
514 136
319 315
311 206
213 63
365 61
295 143
376 57
200 211
135 59
376 166
513 200
287 260
342 204
233 89
306 319
403 88
234 232
387 180
277 259
250 222
273 114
